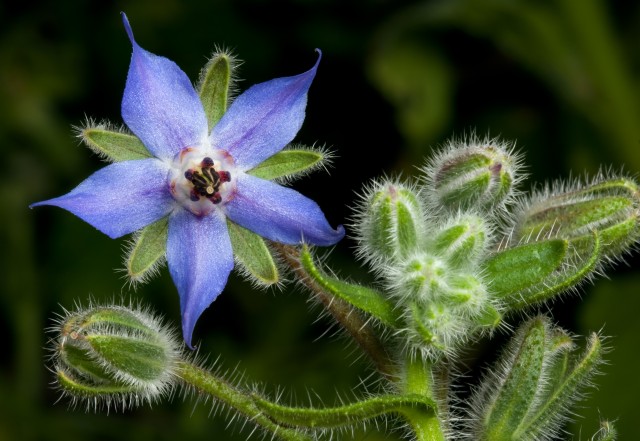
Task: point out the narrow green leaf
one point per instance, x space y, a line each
343 415
288 162
113 145
213 87
253 254
522 267
147 250
366 299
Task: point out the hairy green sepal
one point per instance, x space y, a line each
529 393
287 163
214 87
522 267
148 248
364 298
113 145
251 251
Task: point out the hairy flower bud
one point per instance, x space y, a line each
609 207
390 222
528 394
462 242
477 174
114 354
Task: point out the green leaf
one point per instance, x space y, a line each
147 251
524 266
366 299
289 162
213 87
253 254
113 145
343 415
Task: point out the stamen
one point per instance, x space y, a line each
225 176
204 179
207 162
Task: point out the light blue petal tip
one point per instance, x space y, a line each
127 27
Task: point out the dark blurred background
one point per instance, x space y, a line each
397 78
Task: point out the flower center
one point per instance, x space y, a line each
201 181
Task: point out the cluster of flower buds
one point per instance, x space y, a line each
461 248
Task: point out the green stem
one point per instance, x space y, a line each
345 415
347 316
421 377
205 382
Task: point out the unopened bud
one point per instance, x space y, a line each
463 242
475 174
111 353
530 391
420 277
391 222
608 207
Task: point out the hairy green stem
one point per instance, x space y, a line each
205 382
421 377
347 316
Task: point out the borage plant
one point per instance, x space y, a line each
458 254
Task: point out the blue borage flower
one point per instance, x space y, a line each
198 178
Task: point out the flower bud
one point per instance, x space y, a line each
529 392
112 353
608 207
463 242
475 174
434 329
391 222
420 277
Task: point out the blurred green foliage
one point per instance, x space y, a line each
398 77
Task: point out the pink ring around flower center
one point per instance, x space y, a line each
202 180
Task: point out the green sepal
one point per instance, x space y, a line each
570 275
532 372
125 354
343 415
92 391
213 87
147 250
364 298
514 396
555 409
421 324
79 363
114 145
609 207
462 243
289 162
524 266
393 223
251 251
489 317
